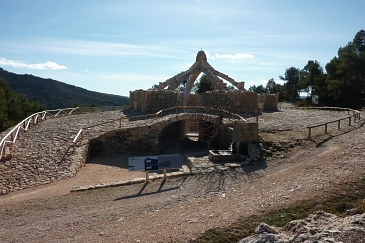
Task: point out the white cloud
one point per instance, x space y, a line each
238 56
39 66
234 57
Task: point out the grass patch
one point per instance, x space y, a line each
347 200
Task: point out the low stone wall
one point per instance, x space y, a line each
244 133
221 155
146 139
236 101
268 102
154 100
137 140
191 101
37 161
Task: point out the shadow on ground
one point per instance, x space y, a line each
187 146
140 192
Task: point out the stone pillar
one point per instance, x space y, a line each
244 133
131 99
144 98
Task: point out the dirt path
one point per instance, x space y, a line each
94 172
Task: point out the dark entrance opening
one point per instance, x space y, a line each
186 137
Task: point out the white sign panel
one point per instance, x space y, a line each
159 162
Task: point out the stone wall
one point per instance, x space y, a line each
161 99
138 100
244 133
261 100
41 156
191 101
146 139
137 140
236 101
153 100
268 102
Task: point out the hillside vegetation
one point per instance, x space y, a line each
340 83
54 94
14 107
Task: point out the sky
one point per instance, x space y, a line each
118 46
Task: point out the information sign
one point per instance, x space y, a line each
159 162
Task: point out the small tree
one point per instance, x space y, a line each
292 77
155 86
203 85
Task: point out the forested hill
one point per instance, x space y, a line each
54 94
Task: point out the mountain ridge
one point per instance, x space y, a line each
55 94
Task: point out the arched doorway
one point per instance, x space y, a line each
188 136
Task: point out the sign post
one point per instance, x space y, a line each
147 176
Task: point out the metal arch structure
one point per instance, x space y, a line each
201 65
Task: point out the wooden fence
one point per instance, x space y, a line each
11 137
352 114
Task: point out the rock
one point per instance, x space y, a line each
263 238
265 228
318 227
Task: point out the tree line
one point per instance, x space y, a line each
15 107
342 84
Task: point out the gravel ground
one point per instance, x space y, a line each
180 209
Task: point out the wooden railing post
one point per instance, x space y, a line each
310 132
350 121
325 128
339 121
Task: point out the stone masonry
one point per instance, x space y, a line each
237 101
44 154
244 133
268 102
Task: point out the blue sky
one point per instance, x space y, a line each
116 46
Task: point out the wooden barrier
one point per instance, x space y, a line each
355 115
26 124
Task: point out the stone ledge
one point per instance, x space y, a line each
138 180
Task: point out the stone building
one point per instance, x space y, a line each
237 101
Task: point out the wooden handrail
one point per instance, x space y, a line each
355 114
34 119
13 135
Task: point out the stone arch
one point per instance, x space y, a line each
174 129
146 139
